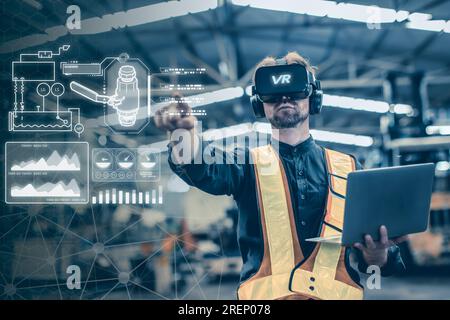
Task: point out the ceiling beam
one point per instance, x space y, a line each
142 51
192 55
237 57
429 5
421 48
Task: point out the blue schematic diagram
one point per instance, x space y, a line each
39 70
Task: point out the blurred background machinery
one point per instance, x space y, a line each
384 68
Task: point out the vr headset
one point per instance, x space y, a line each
293 81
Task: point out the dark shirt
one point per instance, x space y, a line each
308 184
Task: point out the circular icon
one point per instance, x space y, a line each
57 89
123 57
147 160
125 159
78 128
102 140
103 160
43 89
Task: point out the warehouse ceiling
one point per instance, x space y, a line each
352 58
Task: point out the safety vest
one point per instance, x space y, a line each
284 272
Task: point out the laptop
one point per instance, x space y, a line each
397 197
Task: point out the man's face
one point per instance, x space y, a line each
287 113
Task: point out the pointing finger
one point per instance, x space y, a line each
384 236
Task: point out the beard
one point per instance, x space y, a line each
288 117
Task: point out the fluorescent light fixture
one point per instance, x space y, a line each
355 103
442 166
442 130
352 12
401 108
143 15
323 135
314 8
218 96
447 27
359 104
342 138
417 16
427 25
362 13
114 21
317 8
334 10
264 127
402 15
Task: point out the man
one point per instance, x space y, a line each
279 211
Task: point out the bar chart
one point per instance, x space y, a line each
117 196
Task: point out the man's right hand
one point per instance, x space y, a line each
177 115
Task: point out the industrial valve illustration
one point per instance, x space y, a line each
126 98
123 90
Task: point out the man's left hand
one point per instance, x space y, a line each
376 252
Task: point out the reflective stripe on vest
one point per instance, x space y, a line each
315 277
274 209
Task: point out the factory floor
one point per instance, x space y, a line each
421 287
427 284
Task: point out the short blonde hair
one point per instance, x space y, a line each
291 57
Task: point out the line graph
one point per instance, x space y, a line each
59 189
55 162
46 172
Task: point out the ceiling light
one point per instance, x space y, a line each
442 130
427 25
